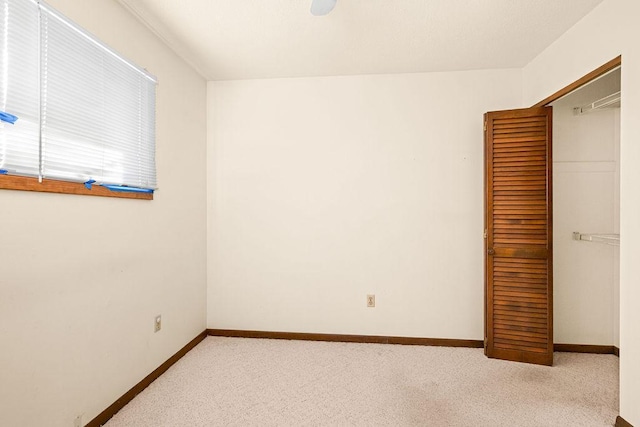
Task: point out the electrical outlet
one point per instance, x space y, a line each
371 300
158 323
78 421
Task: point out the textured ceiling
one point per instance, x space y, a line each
245 39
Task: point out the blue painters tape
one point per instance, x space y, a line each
126 189
88 184
6 117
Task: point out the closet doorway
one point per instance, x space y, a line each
525 229
586 214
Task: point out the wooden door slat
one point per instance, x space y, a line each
518 290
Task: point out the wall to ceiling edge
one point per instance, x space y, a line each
611 29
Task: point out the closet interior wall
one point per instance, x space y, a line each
586 199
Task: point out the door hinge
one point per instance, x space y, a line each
485 125
485 233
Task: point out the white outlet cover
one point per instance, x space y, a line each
371 300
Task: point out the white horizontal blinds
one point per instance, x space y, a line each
97 110
19 86
129 132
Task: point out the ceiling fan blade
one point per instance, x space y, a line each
322 7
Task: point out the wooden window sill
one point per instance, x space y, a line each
8 182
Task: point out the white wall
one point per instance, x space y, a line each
611 29
325 190
82 278
585 199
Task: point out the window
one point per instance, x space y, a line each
84 114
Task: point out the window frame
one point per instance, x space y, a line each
27 183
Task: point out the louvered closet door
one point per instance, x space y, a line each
518 290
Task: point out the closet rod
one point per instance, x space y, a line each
607 101
609 239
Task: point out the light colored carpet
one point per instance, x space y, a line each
261 382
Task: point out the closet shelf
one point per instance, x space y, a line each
608 239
